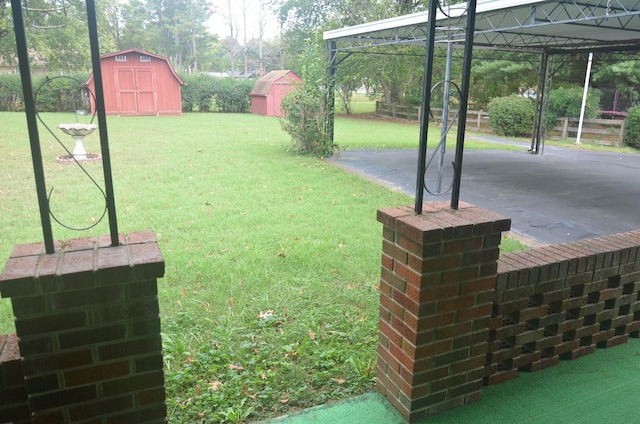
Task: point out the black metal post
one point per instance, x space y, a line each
32 124
543 90
102 120
464 96
426 104
331 95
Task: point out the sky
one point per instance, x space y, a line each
218 23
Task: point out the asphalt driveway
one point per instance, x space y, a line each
560 196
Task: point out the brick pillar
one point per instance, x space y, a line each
436 295
13 392
88 322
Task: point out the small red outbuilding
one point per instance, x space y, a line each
268 92
139 83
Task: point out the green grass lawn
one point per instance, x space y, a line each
269 302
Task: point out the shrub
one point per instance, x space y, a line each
232 96
511 116
10 93
305 116
632 127
205 93
568 102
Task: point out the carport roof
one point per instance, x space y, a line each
531 25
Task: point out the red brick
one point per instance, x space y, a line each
432 349
456 303
152 414
387 262
500 377
434 293
395 252
404 329
406 302
401 356
394 336
460 275
93 296
407 274
102 407
386 357
50 363
437 321
448 382
419 228
61 398
393 280
147 397
96 373
133 383
474 312
453 331
393 307
130 348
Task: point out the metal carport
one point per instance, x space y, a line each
540 26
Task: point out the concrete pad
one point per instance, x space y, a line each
560 196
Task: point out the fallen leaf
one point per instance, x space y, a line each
284 400
339 380
215 386
201 414
198 389
245 390
263 376
312 335
235 367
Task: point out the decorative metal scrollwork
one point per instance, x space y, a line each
79 98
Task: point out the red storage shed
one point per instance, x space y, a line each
269 91
139 83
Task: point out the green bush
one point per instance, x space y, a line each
197 94
232 96
61 94
304 118
511 116
205 93
632 127
11 93
567 102
56 94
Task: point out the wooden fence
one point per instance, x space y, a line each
594 131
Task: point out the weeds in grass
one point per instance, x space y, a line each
269 299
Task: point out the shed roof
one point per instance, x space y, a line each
264 84
144 53
554 26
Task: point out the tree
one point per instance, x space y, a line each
623 75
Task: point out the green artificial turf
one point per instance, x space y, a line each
600 388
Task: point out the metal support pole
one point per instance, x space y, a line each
102 119
464 96
426 104
543 93
584 97
32 124
331 95
537 117
445 115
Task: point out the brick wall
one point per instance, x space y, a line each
454 316
562 302
13 392
436 296
88 324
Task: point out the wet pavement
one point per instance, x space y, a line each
559 196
